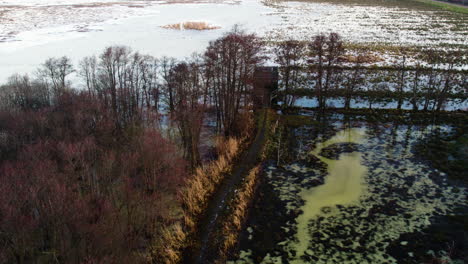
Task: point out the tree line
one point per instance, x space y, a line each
323 68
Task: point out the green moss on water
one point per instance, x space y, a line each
343 185
397 197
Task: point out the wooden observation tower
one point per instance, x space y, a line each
265 83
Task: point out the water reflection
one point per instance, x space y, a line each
350 191
450 105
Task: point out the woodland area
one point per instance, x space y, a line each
114 173
98 175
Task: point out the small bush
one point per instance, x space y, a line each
191 25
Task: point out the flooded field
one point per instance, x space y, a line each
360 103
349 191
34 30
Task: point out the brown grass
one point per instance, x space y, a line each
191 25
167 249
206 178
197 191
236 219
194 199
368 58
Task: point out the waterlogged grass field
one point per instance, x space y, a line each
390 22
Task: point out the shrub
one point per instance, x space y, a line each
191 25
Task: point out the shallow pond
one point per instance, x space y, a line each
352 192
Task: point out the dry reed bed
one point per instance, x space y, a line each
236 218
194 198
367 58
205 180
191 25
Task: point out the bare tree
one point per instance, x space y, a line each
401 76
149 71
231 61
112 68
189 107
317 52
334 51
127 82
54 72
415 88
20 93
432 57
166 66
88 71
325 52
289 56
451 60
354 79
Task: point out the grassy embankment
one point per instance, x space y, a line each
194 198
445 6
233 219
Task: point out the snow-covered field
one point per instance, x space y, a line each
34 30
374 23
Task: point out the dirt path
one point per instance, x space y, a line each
210 222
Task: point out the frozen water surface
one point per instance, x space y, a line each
33 30
142 31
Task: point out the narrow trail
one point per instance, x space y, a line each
210 223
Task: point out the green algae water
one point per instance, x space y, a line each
353 193
343 185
